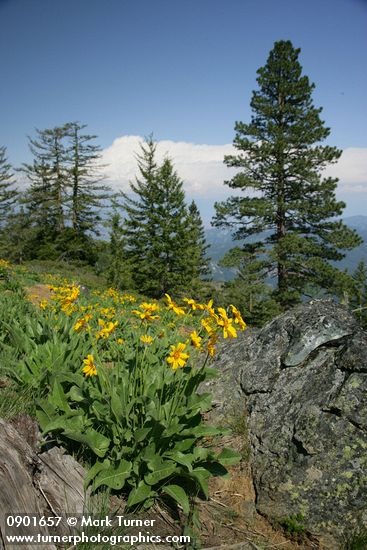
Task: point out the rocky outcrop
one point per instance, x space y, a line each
302 381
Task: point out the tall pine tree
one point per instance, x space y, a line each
8 194
118 270
86 193
281 162
65 195
197 259
48 177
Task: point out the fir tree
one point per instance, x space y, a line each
19 237
8 194
139 210
358 300
158 228
118 271
281 160
87 194
249 290
196 246
47 174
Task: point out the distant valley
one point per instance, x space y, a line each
220 241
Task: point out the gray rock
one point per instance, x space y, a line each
303 381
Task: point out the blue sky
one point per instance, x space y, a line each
183 69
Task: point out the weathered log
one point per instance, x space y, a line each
46 484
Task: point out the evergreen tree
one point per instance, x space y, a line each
158 227
87 195
19 237
65 194
196 246
8 194
48 175
118 271
358 300
249 290
139 209
281 160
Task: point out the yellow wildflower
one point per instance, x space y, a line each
207 323
106 329
119 341
81 323
238 317
147 311
211 345
90 368
172 305
228 330
43 304
195 340
193 304
209 308
177 358
146 339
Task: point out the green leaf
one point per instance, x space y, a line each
141 434
201 475
205 431
96 441
76 394
165 470
114 476
95 469
228 457
178 494
139 494
116 406
181 458
184 445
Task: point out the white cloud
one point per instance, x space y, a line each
351 170
202 169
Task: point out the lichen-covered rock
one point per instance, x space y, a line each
303 380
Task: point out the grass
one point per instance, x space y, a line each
82 274
356 540
15 400
237 421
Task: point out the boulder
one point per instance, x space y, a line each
302 382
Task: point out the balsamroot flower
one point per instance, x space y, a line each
147 311
90 368
172 305
238 317
146 339
195 340
177 358
228 330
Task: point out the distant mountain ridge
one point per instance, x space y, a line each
220 241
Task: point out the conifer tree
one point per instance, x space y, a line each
196 246
8 194
87 194
281 162
249 290
139 210
359 293
65 195
118 271
48 177
158 228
